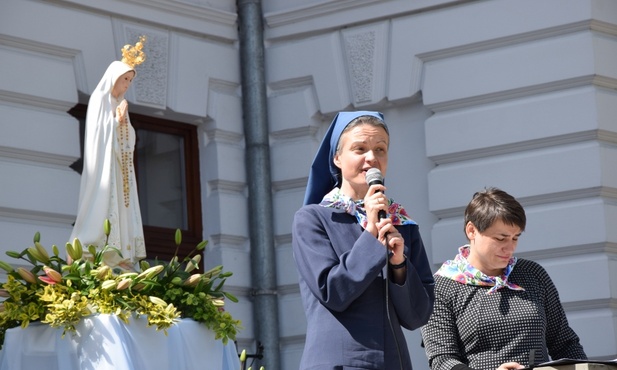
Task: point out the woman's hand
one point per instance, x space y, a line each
383 229
374 201
121 111
391 239
510 366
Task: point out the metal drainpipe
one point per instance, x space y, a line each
255 117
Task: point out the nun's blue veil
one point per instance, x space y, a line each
323 175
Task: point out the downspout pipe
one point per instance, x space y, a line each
256 134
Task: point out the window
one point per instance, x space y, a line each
168 181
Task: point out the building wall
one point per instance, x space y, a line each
515 94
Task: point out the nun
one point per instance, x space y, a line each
363 271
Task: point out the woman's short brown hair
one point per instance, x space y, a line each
492 204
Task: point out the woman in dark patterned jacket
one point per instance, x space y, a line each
492 309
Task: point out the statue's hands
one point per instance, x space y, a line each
121 111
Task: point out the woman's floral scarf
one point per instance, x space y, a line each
463 272
336 199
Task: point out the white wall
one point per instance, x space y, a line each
514 94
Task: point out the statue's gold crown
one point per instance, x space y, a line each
134 55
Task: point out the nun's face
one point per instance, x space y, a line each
122 84
361 148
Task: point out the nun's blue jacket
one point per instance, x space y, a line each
343 292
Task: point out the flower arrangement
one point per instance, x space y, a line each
60 292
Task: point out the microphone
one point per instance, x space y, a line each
374 177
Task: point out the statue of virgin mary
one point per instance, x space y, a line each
108 185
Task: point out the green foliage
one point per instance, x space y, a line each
60 292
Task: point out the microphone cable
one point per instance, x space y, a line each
374 177
387 290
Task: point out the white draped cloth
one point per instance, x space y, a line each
108 186
103 342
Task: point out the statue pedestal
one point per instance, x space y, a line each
103 342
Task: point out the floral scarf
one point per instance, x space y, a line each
336 199
462 271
